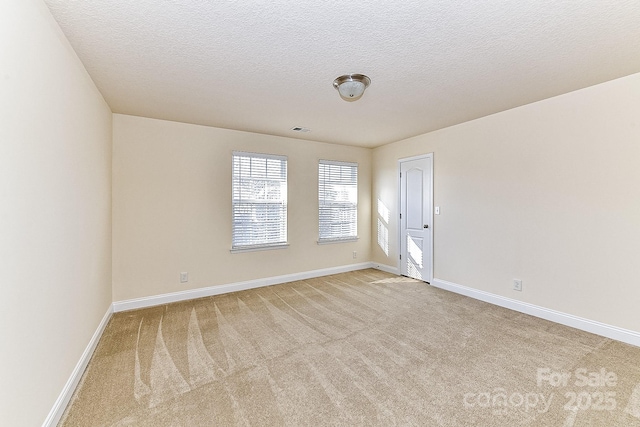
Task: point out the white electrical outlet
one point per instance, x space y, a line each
517 285
355 254
184 277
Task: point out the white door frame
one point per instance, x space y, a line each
430 259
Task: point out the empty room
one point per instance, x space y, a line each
221 213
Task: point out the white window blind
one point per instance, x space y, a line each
259 200
338 201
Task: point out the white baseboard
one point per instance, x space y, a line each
63 399
151 301
386 268
602 329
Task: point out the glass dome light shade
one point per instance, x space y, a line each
351 86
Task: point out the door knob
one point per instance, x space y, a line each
426 226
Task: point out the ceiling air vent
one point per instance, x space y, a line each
300 129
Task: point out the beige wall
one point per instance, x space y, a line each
55 215
172 207
548 193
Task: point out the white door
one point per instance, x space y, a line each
416 228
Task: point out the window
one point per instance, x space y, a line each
338 201
259 201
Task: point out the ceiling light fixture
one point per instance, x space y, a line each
351 86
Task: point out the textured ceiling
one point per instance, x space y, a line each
267 66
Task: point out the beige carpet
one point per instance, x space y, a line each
363 348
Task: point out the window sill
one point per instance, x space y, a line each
259 248
332 241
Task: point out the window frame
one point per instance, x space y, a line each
281 244
339 239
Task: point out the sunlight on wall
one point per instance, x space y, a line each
383 230
383 212
383 237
